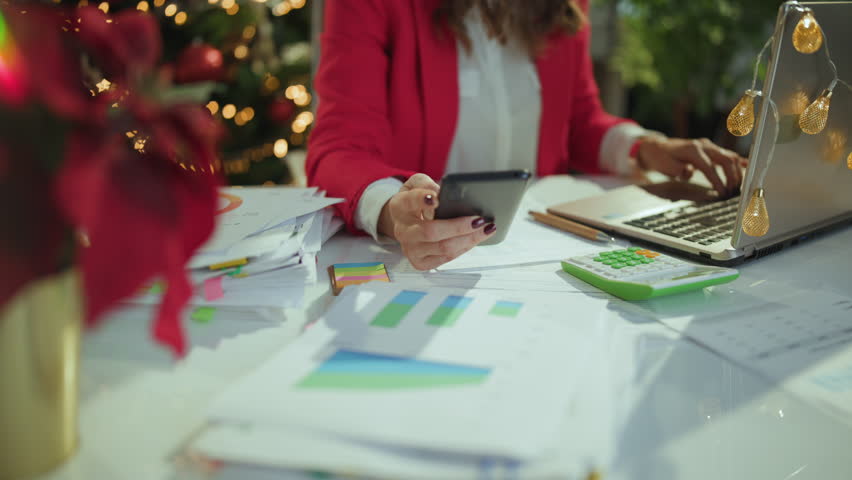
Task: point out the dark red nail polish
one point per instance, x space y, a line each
491 228
430 199
477 223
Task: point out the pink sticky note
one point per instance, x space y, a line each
213 289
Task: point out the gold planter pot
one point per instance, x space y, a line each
39 366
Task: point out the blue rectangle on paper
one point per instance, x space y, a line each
454 301
408 297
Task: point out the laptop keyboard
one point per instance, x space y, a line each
704 224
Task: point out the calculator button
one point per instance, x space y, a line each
634 249
618 266
609 261
598 259
647 260
633 263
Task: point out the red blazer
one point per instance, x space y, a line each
389 99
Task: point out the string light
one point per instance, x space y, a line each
228 111
756 217
142 6
834 145
213 106
103 85
306 117
815 117
741 119
271 83
297 3
249 32
233 10
159 3
303 99
282 8
104 7
294 91
797 103
171 10
241 52
807 36
226 4
180 18
280 148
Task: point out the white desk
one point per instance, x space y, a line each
662 407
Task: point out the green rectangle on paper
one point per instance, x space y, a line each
502 311
384 381
203 314
391 315
445 316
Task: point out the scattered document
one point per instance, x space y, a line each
446 370
801 339
263 252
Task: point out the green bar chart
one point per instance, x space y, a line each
506 309
392 314
449 312
351 370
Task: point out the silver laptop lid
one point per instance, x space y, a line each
807 183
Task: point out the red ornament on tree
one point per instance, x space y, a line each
199 63
281 110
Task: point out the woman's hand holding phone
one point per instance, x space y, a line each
409 218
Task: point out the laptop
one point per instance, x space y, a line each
808 185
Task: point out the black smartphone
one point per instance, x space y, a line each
494 196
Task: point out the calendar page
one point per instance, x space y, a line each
801 340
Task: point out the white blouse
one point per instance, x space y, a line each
498 122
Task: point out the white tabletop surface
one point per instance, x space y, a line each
655 405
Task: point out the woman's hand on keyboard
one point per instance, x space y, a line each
679 158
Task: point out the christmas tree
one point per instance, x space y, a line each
249 63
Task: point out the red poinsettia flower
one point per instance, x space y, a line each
145 203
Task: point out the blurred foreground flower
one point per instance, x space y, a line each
89 144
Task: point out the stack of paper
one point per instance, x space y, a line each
263 252
404 383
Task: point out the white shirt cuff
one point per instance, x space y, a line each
370 206
616 145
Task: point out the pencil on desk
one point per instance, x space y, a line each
571 227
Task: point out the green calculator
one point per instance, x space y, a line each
639 274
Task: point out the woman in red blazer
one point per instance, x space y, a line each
388 85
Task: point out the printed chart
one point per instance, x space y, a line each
448 369
445 315
364 371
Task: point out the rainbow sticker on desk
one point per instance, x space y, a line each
345 274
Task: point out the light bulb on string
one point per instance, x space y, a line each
756 217
741 119
849 161
815 117
833 146
807 36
